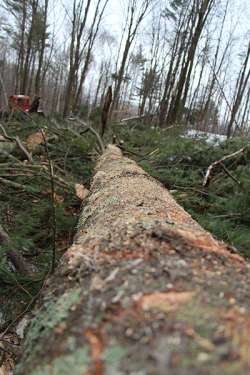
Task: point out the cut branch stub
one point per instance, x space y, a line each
143 289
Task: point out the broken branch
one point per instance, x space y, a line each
94 132
207 177
18 143
4 237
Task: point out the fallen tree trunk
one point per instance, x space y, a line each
143 290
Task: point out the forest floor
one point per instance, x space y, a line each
27 208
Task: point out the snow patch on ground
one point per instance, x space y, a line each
209 138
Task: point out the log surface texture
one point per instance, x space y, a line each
144 290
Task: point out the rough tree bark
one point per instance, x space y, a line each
143 290
243 80
136 13
201 12
44 37
26 62
105 110
79 20
96 23
4 93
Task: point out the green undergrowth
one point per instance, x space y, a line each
27 213
180 164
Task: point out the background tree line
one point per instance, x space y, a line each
170 62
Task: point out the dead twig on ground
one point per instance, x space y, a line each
207 177
11 157
137 118
229 174
225 216
94 132
87 127
25 310
132 118
201 192
149 155
15 257
53 205
20 263
4 237
58 180
16 185
21 287
27 174
18 143
6 347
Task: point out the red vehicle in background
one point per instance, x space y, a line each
19 105
19 102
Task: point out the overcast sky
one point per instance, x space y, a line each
238 19
115 12
239 15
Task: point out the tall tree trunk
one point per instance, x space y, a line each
246 112
214 70
78 27
133 24
29 48
60 93
197 89
120 76
178 55
143 290
202 11
4 92
107 75
241 87
31 73
21 52
98 86
92 38
42 50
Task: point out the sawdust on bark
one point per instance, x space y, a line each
159 295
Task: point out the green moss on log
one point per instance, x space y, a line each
76 363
